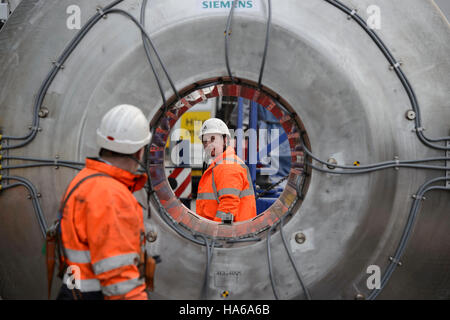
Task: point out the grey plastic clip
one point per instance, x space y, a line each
419 129
58 65
416 197
395 66
397 162
35 128
354 11
396 261
101 12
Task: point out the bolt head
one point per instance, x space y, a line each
43 113
410 115
300 238
331 161
360 296
152 236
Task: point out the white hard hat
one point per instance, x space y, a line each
213 126
124 129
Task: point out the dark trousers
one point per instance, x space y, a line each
66 294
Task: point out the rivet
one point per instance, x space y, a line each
360 296
152 236
410 115
331 161
300 238
43 113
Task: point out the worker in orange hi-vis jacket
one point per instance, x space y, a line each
225 191
102 226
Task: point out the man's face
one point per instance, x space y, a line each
213 145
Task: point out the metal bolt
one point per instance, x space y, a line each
410 115
151 236
331 161
43 113
360 296
300 238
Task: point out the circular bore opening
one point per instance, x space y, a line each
175 154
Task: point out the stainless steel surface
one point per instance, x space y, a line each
324 65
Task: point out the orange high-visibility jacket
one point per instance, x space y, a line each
103 231
226 188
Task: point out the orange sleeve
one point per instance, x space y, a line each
114 223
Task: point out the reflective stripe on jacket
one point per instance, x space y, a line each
102 232
226 188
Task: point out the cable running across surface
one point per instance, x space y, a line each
407 231
396 67
266 43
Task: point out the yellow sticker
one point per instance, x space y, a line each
192 122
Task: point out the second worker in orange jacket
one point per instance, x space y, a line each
225 191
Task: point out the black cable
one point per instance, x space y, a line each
380 164
209 254
54 161
10 186
21 166
146 35
396 67
407 231
34 195
266 44
147 53
269 259
273 185
305 289
417 166
252 239
50 77
227 36
162 211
